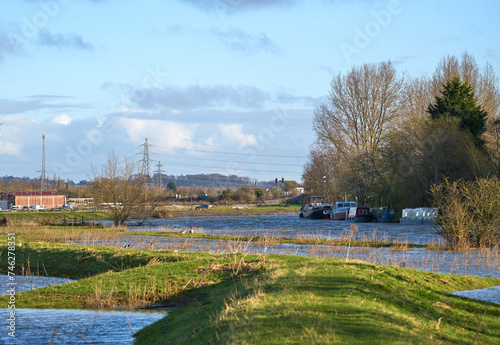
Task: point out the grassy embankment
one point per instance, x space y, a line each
233 298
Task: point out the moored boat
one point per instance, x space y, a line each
383 214
422 215
359 215
316 211
341 209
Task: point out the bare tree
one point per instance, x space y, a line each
362 106
322 173
117 189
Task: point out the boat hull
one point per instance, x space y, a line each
359 215
339 215
316 213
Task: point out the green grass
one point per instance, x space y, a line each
265 300
56 216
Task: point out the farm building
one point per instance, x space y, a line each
21 199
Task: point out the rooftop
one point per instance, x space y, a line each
36 193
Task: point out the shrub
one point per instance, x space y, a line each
469 212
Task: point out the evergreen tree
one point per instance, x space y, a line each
457 100
171 185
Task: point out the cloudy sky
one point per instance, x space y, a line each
226 86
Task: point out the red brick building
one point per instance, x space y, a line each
47 199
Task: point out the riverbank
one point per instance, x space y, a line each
234 210
173 211
36 218
234 298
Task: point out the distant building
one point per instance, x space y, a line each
28 199
76 202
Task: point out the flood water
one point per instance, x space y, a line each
26 283
478 263
99 327
61 326
41 326
291 226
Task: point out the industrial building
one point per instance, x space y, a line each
28 199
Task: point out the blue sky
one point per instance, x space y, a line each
225 86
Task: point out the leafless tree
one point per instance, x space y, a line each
116 187
362 107
322 173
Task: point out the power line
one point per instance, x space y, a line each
234 153
230 161
238 168
146 160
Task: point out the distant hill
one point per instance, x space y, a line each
213 181
191 180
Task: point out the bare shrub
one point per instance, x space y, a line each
470 212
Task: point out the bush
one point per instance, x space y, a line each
469 212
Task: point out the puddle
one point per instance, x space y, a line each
62 326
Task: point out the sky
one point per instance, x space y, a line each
215 86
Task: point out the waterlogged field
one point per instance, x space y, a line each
231 281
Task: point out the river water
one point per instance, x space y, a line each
291 226
61 326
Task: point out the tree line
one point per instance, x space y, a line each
386 138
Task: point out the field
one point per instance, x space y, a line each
253 299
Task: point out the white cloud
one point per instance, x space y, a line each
234 134
133 110
13 133
9 148
62 119
165 134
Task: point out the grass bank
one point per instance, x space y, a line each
49 217
263 299
169 212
